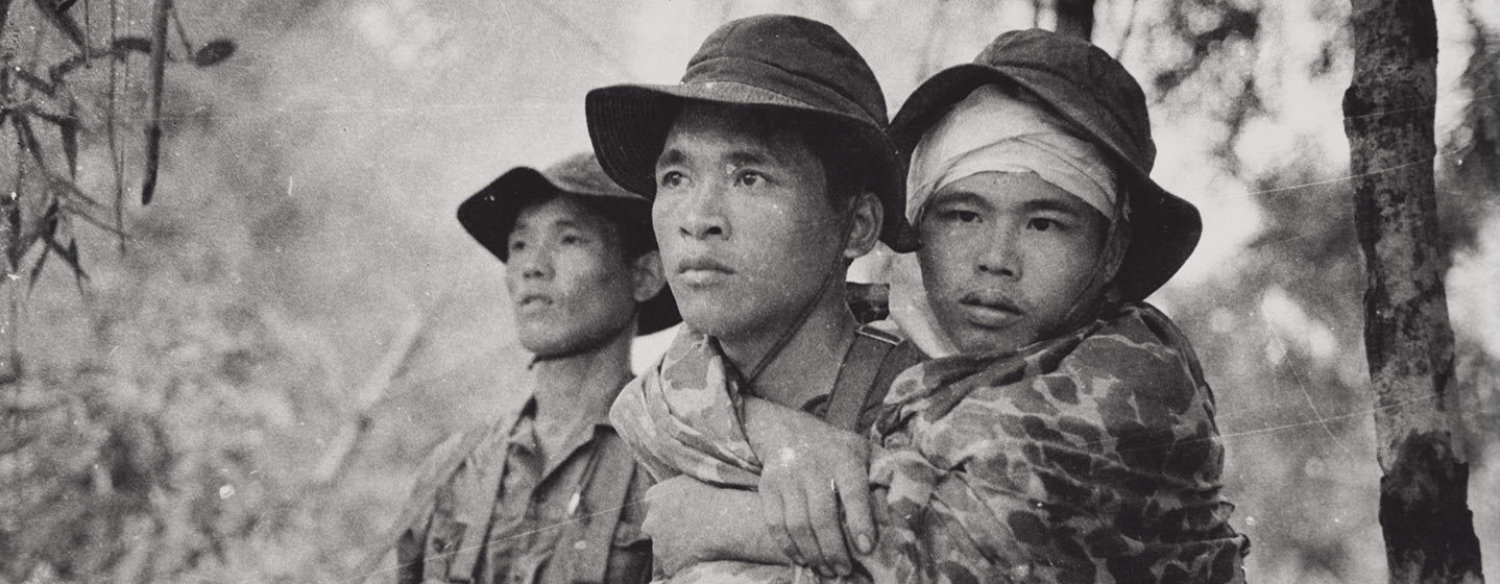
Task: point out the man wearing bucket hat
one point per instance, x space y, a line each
544 495
770 170
1070 435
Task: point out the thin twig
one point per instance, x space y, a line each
1135 5
336 462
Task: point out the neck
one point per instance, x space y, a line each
807 365
581 386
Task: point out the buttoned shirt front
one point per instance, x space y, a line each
574 520
543 509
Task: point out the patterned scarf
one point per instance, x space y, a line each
685 416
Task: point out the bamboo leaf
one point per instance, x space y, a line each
213 53
65 5
96 222
12 208
70 254
36 270
132 43
71 189
69 130
63 22
26 138
153 124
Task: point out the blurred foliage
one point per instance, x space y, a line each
177 420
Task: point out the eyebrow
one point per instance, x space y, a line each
563 223
1058 206
675 157
671 157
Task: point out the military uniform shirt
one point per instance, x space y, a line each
541 518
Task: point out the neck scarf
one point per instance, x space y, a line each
685 416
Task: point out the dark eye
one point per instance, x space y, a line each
749 178
571 239
670 179
959 216
516 245
1042 224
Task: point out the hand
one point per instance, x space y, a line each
814 482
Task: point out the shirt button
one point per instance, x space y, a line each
580 545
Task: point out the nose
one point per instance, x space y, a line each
701 215
999 254
535 262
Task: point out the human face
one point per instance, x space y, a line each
570 285
747 233
1006 256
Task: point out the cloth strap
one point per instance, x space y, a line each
611 483
857 378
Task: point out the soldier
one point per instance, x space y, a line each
543 496
770 170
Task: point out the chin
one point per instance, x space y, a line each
710 318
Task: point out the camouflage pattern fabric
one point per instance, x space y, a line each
1093 457
684 416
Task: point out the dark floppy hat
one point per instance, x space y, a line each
490 214
769 61
1096 95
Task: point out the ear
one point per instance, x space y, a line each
648 276
865 218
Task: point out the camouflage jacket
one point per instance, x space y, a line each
1092 457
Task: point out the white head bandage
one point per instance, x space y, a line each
991 131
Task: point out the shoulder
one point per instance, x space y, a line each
1140 356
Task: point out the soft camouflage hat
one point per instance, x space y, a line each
1096 95
490 214
770 61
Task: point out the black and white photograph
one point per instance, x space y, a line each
750 291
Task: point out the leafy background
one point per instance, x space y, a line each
242 390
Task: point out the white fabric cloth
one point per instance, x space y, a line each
991 131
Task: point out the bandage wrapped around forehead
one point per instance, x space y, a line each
992 131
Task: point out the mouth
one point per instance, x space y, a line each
703 271
990 309
534 301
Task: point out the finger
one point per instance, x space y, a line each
771 510
854 495
798 525
823 514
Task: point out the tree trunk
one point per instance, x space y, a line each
1075 18
1388 109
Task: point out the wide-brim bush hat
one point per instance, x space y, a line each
490 214
769 61
1093 93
